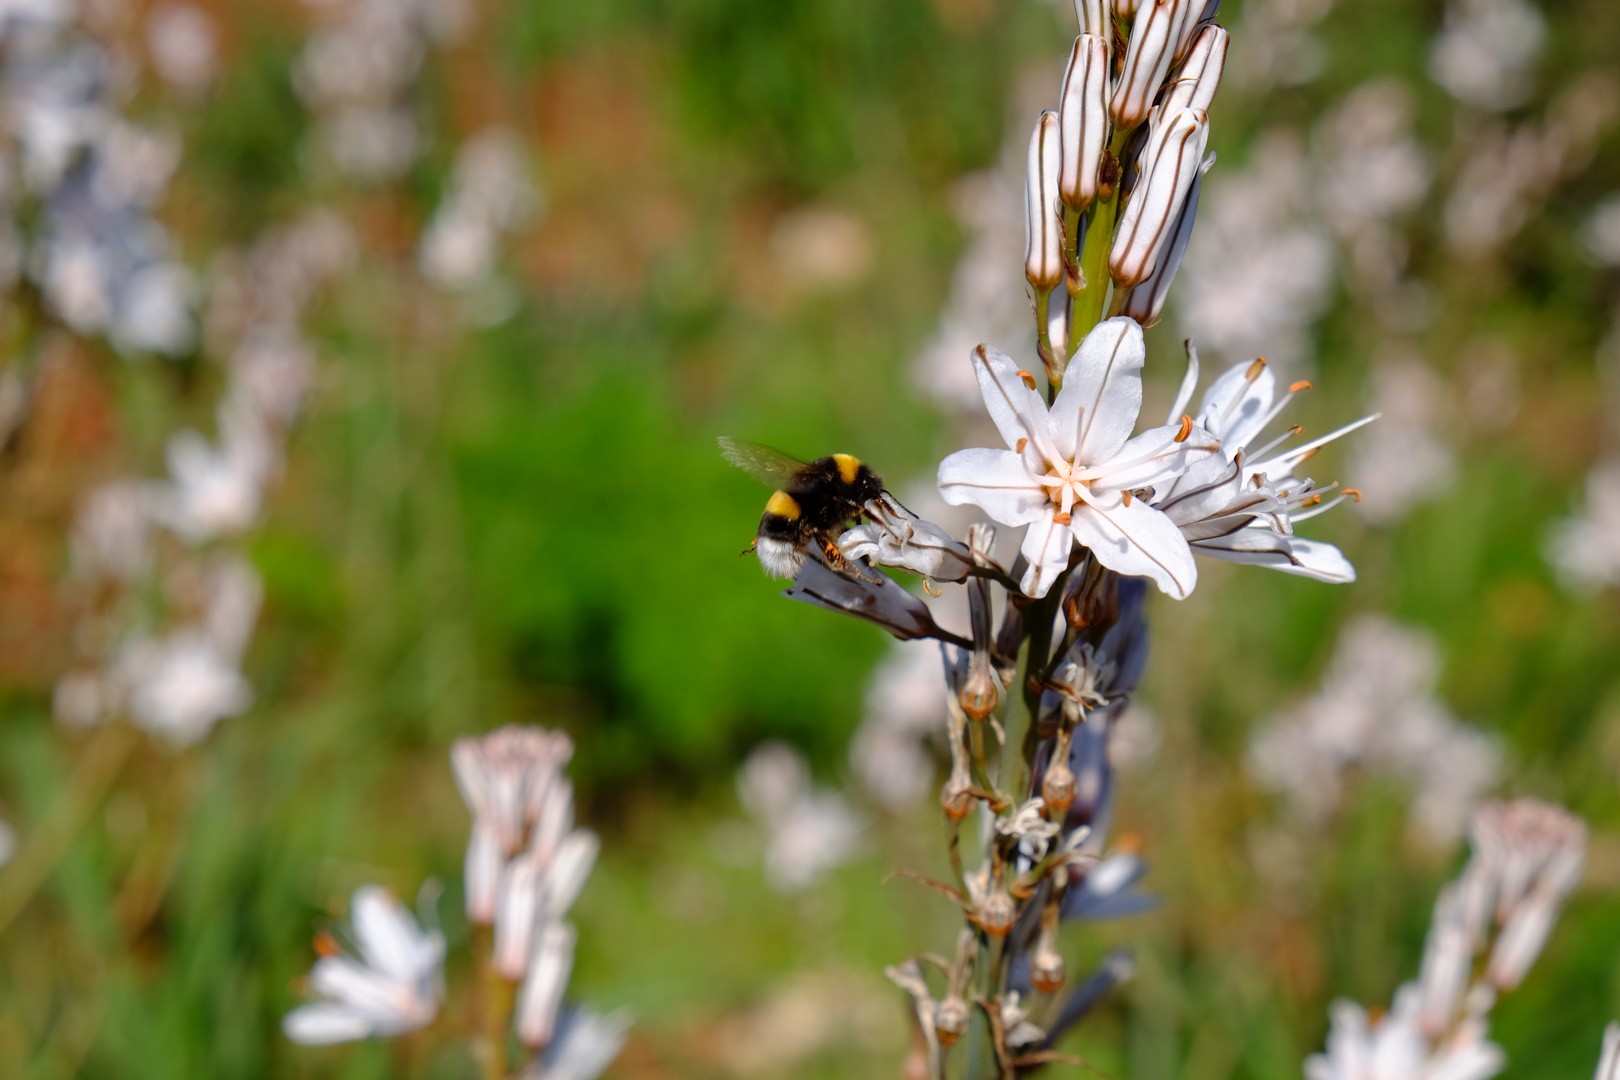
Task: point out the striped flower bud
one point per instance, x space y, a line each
1146 301
1084 120
1125 9
1093 18
1043 234
1155 36
1169 164
1195 84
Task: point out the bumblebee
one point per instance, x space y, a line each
812 503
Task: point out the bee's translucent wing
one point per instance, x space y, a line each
768 466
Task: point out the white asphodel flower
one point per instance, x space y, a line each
1072 471
395 985
1241 505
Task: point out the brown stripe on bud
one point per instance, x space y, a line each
1170 165
1043 232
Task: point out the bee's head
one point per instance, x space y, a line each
865 483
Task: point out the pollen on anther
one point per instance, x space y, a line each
1353 493
1186 429
931 590
326 945
1029 380
1127 494
1303 384
1023 441
1255 369
1064 519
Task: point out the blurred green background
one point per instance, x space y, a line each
530 523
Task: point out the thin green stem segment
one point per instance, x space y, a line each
1043 338
1090 304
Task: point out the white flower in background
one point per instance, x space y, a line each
1510 171
1070 473
1602 233
395 985
216 492
1259 268
1485 54
490 193
1276 44
905 707
181 685
1377 709
1585 549
810 831
181 41
582 1047
1241 505
1392 1048
512 780
112 530
1406 459
1527 858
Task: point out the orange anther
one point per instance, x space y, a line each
326 944
1353 493
1303 384
930 589
1127 496
1022 442
1029 380
1255 369
1128 843
1062 519
1186 428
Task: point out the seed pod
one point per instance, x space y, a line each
1154 38
998 913
1083 117
1043 235
951 1020
1200 75
1059 788
1047 971
1170 163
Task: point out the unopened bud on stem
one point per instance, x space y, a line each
1146 301
1043 235
1195 83
1083 117
1047 971
1093 17
1156 35
1170 163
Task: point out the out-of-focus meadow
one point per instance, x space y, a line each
503 503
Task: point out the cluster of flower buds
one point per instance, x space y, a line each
1527 859
1112 182
526 864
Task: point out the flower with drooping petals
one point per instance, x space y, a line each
1072 471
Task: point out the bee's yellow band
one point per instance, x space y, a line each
783 505
847 467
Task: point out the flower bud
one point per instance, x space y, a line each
1125 9
1093 18
951 1020
1043 233
1083 118
536 1016
1146 301
1154 38
1170 163
1195 84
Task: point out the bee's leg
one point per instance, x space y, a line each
845 566
749 550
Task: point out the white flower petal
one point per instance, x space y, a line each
1102 393
996 482
1015 409
388 937
1291 554
1138 541
322 1023
1047 546
1234 407
1153 458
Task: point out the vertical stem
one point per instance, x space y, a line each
1043 339
98 766
1088 306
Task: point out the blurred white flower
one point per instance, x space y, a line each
1258 271
1602 233
8 842
1485 54
809 831
179 686
112 530
583 1045
490 193
1276 44
1609 1059
905 706
1391 1048
180 39
1585 548
1377 710
216 492
1406 459
395 985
